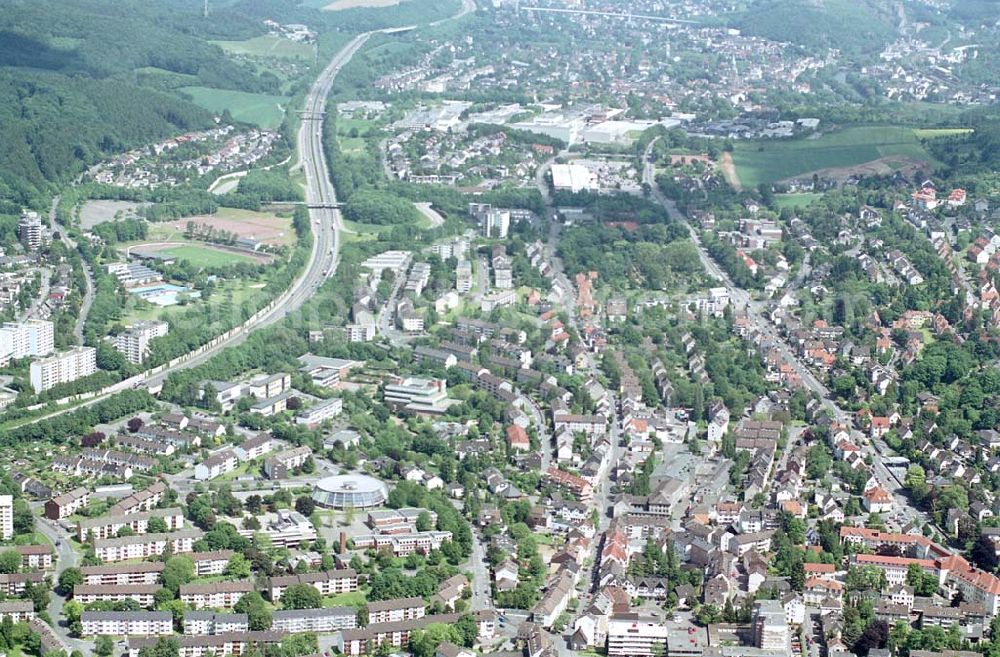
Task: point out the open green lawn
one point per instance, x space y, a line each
269 46
204 256
266 111
799 200
230 291
777 159
352 599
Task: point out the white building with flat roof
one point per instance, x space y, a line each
134 341
418 395
395 261
6 517
32 337
63 367
573 178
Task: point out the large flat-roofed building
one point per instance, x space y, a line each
636 635
418 395
63 367
32 337
127 623
134 341
395 261
770 631
573 178
30 230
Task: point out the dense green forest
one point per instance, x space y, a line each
83 79
853 27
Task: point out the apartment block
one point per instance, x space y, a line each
329 582
131 574
110 550
140 593
399 609
216 594
63 506
332 619
33 337
211 622
63 367
134 341
127 623
6 517
138 523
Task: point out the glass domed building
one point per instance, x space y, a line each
352 490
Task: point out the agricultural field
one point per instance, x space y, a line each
869 150
269 46
260 109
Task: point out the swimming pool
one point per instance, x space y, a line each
163 294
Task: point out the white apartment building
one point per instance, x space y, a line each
211 622
126 548
330 582
6 517
30 230
216 465
109 526
127 623
63 367
635 635
324 410
33 337
134 342
770 631
332 619
216 594
463 276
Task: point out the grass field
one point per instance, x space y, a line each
266 227
800 200
769 161
352 599
261 109
205 256
230 291
269 46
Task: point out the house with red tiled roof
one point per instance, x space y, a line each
877 500
517 438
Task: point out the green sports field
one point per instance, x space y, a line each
203 256
776 159
269 46
261 109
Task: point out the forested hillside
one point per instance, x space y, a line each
852 27
83 79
